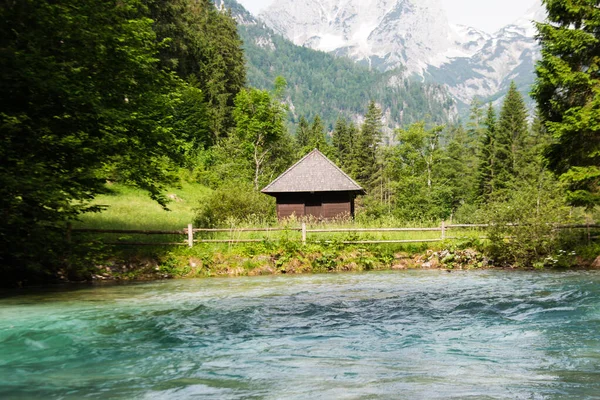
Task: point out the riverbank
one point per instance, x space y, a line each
310 259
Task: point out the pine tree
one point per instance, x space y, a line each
487 155
317 138
511 134
364 163
460 168
302 133
567 94
475 126
343 140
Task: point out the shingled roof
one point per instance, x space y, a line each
313 173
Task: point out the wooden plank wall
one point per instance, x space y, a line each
287 210
322 205
338 209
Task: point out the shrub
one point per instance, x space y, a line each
234 203
523 220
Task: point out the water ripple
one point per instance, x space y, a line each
378 335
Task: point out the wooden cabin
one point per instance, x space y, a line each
314 186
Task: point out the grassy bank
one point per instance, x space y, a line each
277 252
129 208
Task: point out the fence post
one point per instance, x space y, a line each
304 233
190 233
443 230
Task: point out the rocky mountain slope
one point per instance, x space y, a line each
415 34
321 83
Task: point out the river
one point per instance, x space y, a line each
382 335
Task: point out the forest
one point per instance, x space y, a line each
150 93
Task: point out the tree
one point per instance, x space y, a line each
259 128
364 155
475 125
343 141
568 95
487 155
510 136
302 133
83 95
317 138
418 157
459 171
201 44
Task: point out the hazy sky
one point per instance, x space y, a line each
487 15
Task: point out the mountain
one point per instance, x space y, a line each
321 83
414 35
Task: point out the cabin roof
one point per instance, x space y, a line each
313 173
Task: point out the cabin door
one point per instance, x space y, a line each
313 206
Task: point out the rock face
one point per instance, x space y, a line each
415 35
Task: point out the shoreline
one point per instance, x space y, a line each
316 262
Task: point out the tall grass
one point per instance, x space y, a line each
130 208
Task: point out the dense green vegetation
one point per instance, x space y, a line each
568 95
151 95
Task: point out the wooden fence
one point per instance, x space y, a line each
190 232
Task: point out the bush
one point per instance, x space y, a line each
523 220
235 203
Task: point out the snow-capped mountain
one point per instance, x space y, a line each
334 87
414 35
387 33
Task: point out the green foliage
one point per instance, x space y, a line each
312 137
458 170
364 166
84 98
416 165
344 136
534 207
303 132
510 137
233 203
487 156
260 135
568 97
203 47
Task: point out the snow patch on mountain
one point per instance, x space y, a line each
414 35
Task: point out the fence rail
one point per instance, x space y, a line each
190 232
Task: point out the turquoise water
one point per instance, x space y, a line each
413 335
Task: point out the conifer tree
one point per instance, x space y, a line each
364 163
460 168
317 138
475 125
511 133
302 133
487 155
567 94
343 138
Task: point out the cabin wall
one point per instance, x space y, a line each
287 210
326 205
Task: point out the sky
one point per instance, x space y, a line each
487 15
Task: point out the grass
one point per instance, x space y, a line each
130 208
